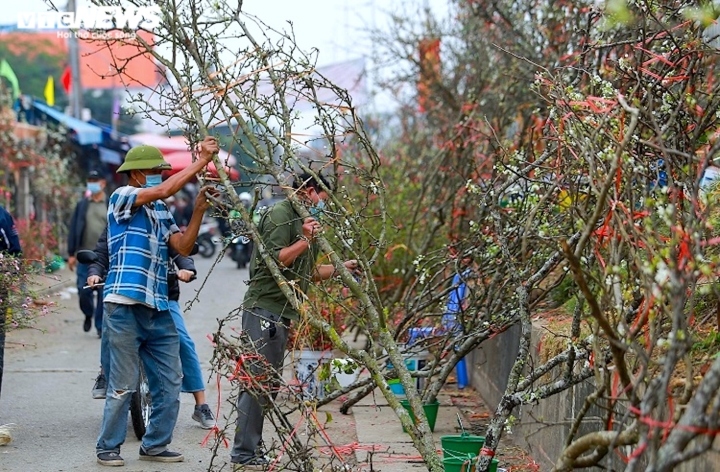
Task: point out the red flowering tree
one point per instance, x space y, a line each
21 151
36 167
331 304
564 150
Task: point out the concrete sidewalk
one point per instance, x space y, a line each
379 428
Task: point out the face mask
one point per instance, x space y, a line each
153 180
94 187
317 209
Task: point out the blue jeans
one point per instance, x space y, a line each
192 380
88 305
192 374
131 333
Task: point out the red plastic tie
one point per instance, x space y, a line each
487 452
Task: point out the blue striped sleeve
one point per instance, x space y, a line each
121 203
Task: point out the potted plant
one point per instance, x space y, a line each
38 242
340 373
313 346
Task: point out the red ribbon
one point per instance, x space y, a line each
487 452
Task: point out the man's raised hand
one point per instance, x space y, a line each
208 147
185 275
204 197
354 267
311 228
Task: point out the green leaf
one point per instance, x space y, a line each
618 12
324 371
704 14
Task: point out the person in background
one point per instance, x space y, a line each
457 304
87 224
242 247
192 381
9 239
181 209
9 245
267 313
137 319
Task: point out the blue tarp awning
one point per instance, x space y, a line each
85 132
108 132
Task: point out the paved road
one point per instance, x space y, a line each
49 375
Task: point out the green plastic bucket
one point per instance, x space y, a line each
455 446
452 464
431 412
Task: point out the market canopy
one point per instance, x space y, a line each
85 133
181 159
176 151
164 143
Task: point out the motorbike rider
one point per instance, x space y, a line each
242 245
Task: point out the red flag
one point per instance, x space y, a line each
65 79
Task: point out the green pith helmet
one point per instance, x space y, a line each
144 158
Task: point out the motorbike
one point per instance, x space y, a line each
206 239
141 405
242 251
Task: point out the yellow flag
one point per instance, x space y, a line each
50 91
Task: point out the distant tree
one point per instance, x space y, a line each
32 63
561 144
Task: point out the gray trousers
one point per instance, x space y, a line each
269 334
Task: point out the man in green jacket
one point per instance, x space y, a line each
267 314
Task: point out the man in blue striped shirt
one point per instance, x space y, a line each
137 324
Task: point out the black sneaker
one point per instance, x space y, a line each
110 459
87 324
100 388
165 456
254 463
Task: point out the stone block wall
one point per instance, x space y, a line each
542 429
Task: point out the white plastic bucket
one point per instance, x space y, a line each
415 360
307 369
710 177
337 371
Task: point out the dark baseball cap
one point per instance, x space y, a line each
94 175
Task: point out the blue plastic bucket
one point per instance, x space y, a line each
396 387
